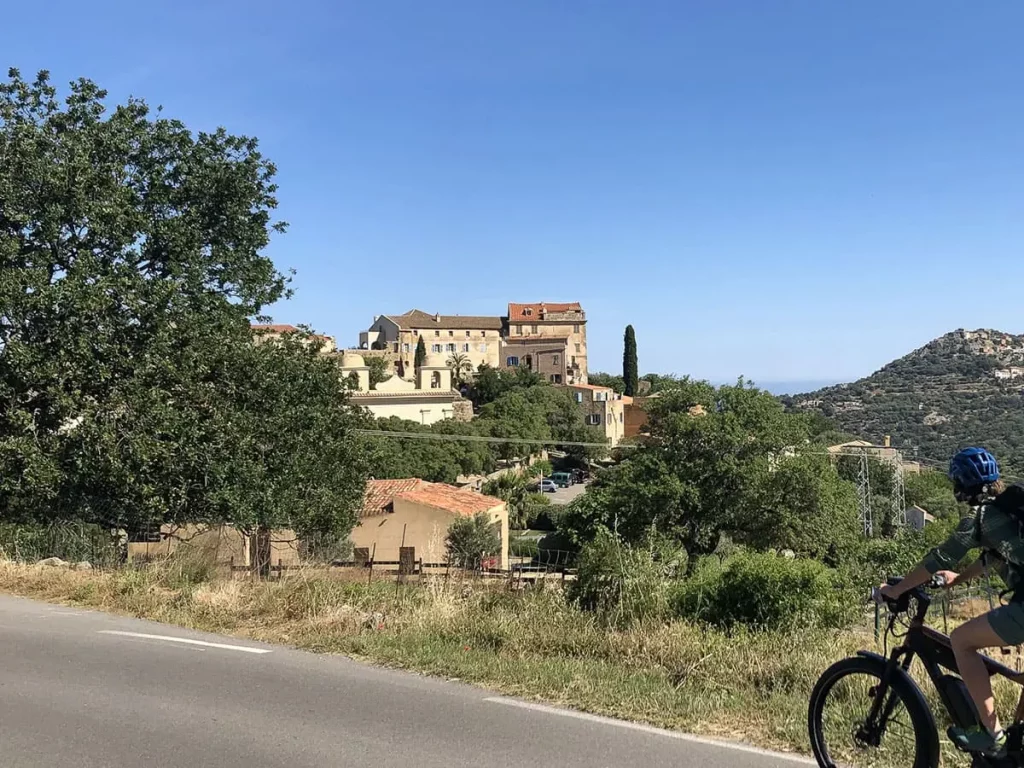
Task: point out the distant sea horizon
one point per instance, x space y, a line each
793 387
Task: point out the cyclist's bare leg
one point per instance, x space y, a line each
967 640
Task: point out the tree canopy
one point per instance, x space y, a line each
131 392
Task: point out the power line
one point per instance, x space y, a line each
485 439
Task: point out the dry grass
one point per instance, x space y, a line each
752 687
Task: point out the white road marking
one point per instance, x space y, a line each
185 640
646 729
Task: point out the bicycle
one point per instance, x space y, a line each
895 704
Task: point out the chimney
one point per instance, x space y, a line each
888 442
437 317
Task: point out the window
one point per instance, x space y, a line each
579 347
467 334
437 334
435 348
533 329
620 418
555 360
519 330
528 311
465 347
482 347
396 346
435 380
594 419
451 334
407 347
579 397
512 362
528 362
556 378
576 328
449 347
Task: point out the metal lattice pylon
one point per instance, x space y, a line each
864 493
899 491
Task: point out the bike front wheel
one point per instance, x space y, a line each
856 723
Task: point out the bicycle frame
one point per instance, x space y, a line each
935 651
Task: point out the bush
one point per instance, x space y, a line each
765 591
545 517
471 539
624 585
523 548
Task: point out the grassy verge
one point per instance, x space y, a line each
752 687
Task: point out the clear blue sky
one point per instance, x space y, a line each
785 190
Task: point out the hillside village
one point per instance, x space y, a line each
548 339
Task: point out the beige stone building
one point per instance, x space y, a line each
428 399
538 334
268 332
478 338
415 513
602 407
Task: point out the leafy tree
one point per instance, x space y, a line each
471 539
513 489
131 259
607 380
379 370
439 461
803 505
630 373
697 476
460 366
420 357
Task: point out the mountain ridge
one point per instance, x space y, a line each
964 387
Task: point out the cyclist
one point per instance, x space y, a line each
993 529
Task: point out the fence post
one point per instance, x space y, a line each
878 622
280 569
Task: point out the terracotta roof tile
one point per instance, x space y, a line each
420 320
516 311
451 499
380 493
274 328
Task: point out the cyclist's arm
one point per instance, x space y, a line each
972 571
943 557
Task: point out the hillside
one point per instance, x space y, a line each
966 387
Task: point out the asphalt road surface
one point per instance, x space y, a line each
90 690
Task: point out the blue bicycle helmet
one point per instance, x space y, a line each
973 467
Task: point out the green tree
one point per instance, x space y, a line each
131 259
696 477
513 489
630 374
471 539
460 366
607 380
420 357
802 504
379 370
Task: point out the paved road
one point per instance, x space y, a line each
96 691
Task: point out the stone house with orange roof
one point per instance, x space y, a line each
416 513
549 338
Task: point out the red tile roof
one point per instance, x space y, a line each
381 493
451 499
516 311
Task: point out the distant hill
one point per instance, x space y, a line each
964 388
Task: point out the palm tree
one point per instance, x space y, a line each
513 489
460 365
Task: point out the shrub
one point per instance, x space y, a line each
765 591
470 539
624 585
523 548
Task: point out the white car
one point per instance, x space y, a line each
547 486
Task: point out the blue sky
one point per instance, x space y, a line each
780 189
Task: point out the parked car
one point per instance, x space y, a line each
547 485
579 475
563 479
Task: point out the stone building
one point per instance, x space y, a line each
548 338
428 399
478 338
